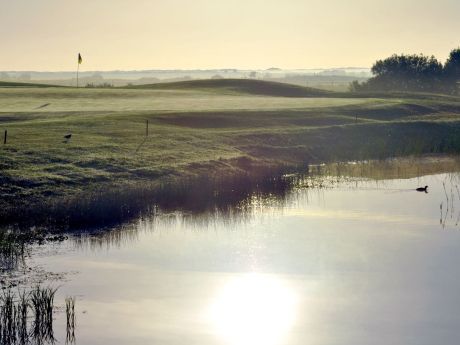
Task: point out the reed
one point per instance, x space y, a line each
114 206
42 303
26 317
8 317
22 317
70 317
12 249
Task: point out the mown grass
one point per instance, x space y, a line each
26 85
111 170
246 86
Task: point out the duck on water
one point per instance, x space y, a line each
422 189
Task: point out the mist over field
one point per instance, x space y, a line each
245 172
332 79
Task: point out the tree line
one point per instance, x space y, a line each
413 73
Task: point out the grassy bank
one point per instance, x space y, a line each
229 135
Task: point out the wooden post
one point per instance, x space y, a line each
146 128
4 138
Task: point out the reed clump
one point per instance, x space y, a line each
70 317
42 304
114 206
12 248
26 317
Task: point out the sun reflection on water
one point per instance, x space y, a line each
254 309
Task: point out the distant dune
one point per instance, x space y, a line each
248 86
17 84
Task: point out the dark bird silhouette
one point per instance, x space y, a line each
67 138
422 189
43 106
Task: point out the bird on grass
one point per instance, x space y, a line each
67 137
422 189
43 106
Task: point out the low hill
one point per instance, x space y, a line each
17 84
248 86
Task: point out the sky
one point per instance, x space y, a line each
47 35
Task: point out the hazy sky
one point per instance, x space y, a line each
162 34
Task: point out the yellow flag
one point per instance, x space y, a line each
80 60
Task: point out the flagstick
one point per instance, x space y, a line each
78 69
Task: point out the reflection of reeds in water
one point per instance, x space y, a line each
8 317
27 317
70 317
449 214
42 303
228 197
231 206
200 203
200 198
390 168
13 318
11 251
101 239
23 308
114 206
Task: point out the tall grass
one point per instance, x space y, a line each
42 303
23 309
8 317
11 250
27 317
70 317
103 208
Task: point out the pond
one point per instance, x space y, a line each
359 257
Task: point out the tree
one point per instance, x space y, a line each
452 65
452 69
407 72
413 73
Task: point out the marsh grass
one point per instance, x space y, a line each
12 250
103 208
70 319
42 304
26 317
23 310
8 315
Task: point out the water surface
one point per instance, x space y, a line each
362 261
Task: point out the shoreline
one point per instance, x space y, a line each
115 209
107 207
119 161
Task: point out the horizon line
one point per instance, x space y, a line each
184 69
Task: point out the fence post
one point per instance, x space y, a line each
146 128
4 138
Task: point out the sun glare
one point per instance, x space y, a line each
254 310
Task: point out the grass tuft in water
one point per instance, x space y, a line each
26 317
42 303
11 251
70 316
